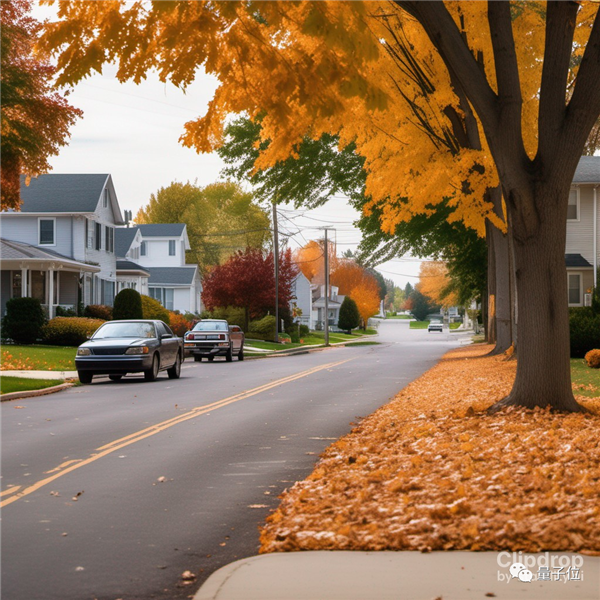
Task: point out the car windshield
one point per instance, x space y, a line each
211 326
436 322
125 330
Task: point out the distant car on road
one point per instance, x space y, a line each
121 347
215 337
435 325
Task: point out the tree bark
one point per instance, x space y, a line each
490 332
543 368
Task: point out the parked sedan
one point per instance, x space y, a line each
215 337
121 347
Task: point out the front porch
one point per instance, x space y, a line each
29 271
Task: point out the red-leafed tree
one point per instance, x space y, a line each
35 118
247 280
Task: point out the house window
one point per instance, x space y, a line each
163 295
575 288
107 292
109 235
105 198
573 207
46 232
16 284
98 236
143 248
171 247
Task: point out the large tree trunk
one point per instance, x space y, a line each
490 331
543 367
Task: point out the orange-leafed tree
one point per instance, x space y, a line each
35 118
435 283
310 259
517 82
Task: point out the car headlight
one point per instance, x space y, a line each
137 350
83 352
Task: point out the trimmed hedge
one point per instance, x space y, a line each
24 320
69 331
585 331
263 329
98 311
128 305
153 309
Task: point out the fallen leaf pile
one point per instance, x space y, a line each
432 470
11 363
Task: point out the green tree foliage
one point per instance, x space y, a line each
128 305
23 321
381 283
321 170
421 305
349 317
221 219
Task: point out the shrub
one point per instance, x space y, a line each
179 324
585 331
303 330
65 312
349 316
128 305
295 338
98 311
233 315
69 331
153 309
592 358
266 326
24 320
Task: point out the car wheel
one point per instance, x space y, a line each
210 358
115 377
241 353
85 376
175 371
152 373
229 355
197 359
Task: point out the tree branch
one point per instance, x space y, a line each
560 27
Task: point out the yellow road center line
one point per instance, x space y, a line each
154 429
10 490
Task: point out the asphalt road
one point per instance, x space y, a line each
114 490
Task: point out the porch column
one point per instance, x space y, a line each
50 293
24 277
58 287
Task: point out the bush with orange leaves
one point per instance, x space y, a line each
592 358
179 324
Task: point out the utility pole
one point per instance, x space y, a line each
276 257
326 289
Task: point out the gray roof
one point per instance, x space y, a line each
162 229
123 238
128 265
576 260
171 275
70 193
11 250
588 170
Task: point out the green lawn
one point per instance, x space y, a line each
399 317
314 338
21 384
39 358
582 375
424 325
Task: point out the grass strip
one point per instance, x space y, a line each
38 358
22 384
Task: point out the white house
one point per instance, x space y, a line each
583 231
60 247
153 257
334 303
302 298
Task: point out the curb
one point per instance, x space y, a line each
309 349
34 393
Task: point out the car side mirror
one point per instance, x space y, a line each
165 335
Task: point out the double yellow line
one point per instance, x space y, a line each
14 493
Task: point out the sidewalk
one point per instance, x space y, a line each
40 374
323 575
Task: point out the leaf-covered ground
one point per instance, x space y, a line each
432 471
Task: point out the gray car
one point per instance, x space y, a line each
215 337
121 347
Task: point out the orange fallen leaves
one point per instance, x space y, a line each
11 363
432 471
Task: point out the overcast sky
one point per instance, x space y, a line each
132 132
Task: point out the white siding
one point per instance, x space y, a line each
157 253
24 228
580 234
